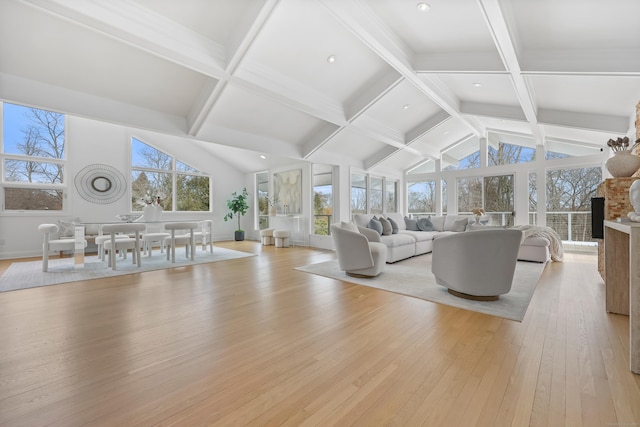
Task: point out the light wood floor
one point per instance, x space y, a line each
254 342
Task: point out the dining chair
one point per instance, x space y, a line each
183 239
50 244
153 234
205 235
116 244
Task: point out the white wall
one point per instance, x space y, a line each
91 142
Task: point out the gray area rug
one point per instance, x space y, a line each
22 275
413 277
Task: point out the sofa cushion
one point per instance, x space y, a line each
398 218
362 220
424 224
349 226
374 224
456 222
437 222
394 225
386 226
411 224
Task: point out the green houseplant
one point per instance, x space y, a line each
238 207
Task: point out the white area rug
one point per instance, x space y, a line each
22 275
413 277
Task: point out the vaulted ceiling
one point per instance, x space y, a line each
405 85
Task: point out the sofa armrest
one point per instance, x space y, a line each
371 235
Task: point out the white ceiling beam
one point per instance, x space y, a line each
319 138
370 94
592 61
599 122
244 36
509 112
458 62
360 20
128 22
426 126
508 51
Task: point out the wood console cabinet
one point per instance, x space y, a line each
622 279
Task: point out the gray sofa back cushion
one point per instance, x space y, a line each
411 224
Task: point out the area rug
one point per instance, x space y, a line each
413 278
22 275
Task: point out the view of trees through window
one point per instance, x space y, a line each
569 193
262 196
157 177
322 199
373 194
33 156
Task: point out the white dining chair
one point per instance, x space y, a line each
205 235
117 244
180 239
154 234
50 243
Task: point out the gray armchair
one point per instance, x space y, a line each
357 256
476 264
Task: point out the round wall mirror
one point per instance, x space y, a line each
101 184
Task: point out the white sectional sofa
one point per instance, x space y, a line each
407 243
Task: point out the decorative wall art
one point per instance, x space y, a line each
100 184
287 190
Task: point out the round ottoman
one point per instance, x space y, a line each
282 238
266 236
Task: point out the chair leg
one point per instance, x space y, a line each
45 261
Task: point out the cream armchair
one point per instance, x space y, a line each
476 264
357 256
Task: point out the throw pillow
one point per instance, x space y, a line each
412 224
386 226
456 223
424 224
438 222
374 224
349 226
394 225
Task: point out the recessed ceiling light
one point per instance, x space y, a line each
262 156
477 84
423 7
405 107
445 132
331 59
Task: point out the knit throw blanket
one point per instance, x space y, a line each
555 248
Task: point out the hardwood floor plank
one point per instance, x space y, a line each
254 342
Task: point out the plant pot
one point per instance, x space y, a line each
239 235
623 164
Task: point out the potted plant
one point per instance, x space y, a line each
238 207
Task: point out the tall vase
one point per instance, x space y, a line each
623 164
152 213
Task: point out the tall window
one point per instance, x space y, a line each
422 198
569 193
358 193
322 199
33 154
372 194
391 196
262 200
156 176
533 199
494 193
376 195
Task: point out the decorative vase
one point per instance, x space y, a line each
623 164
634 196
272 211
477 219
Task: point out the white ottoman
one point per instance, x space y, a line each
266 236
282 238
534 249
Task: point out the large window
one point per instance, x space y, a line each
508 154
33 155
322 199
493 193
372 194
156 176
422 198
569 193
262 201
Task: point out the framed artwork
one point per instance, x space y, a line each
287 191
